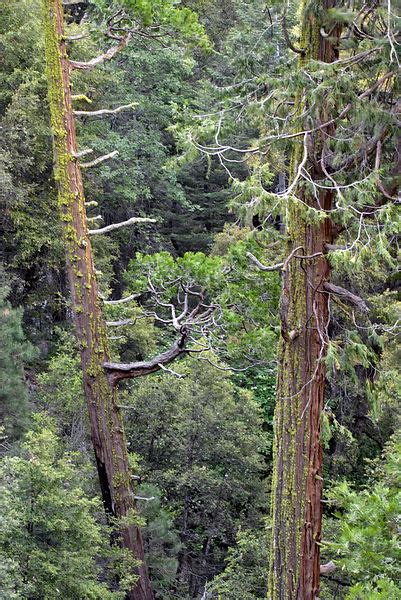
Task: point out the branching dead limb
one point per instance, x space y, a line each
111 52
117 372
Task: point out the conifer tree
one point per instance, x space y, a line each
100 389
324 176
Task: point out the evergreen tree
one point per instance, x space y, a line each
15 353
50 539
323 175
200 440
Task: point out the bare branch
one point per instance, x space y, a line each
97 218
346 295
290 256
78 36
308 256
114 226
121 323
99 160
144 499
123 300
178 375
104 111
82 153
335 247
263 267
111 52
116 371
327 568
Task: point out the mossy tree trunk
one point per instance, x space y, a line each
297 470
105 419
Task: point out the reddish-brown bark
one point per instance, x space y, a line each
298 460
105 419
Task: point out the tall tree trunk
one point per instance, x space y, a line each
105 419
297 470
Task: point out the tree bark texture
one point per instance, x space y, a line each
105 419
297 468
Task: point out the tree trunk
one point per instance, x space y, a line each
297 468
105 419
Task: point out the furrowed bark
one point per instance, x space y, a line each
297 469
105 419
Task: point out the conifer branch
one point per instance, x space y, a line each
377 170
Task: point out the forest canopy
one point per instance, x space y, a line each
199 300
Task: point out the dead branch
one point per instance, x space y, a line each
82 153
327 568
123 300
111 52
346 295
104 111
114 226
335 247
308 256
117 372
290 256
78 36
120 323
174 373
263 267
99 160
144 499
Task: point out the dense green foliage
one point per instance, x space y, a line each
204 150
50 538
15 353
